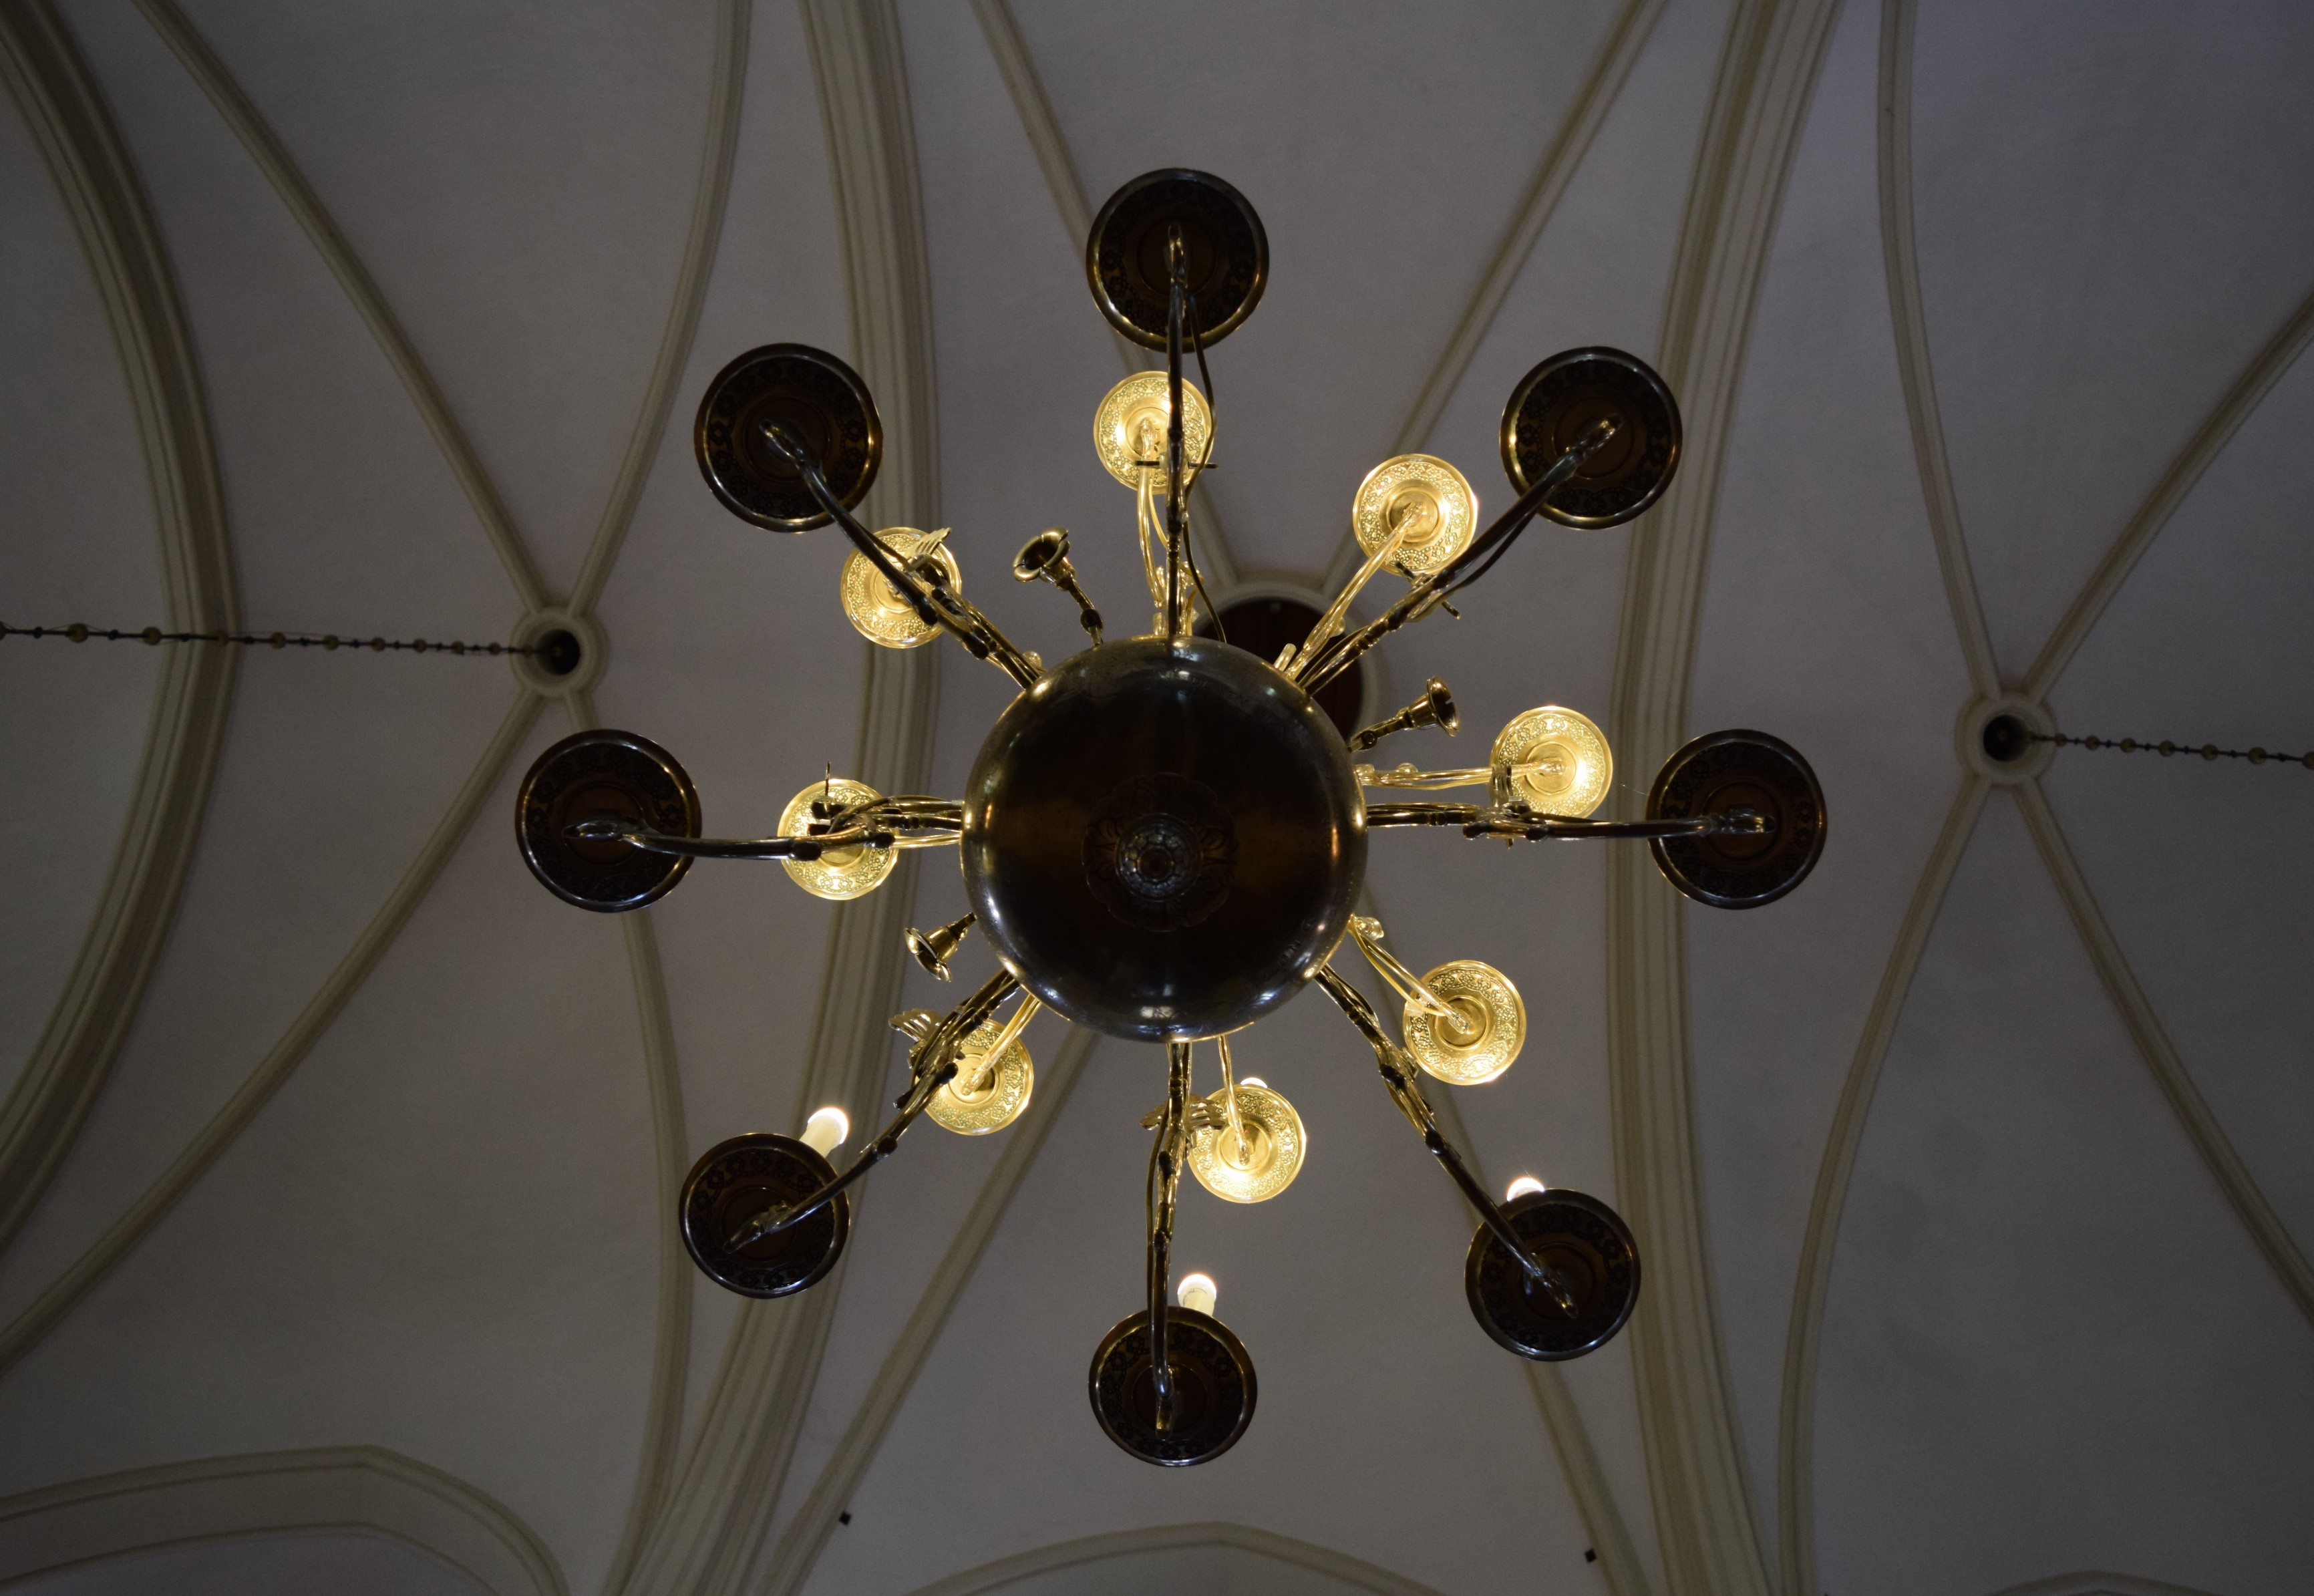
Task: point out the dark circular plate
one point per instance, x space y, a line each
1214 1388
1583 1242
1555 404
1164 840
736 1180
812 396
1124 256
603 773
1728 769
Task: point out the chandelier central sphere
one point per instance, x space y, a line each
1163 838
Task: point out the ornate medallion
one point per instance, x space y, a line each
1128 430
736 1180
1270 1157
1483 1039
1558 759
874 606
1214 1388
1228 256
1426 495
807 392
613 775
1739 770
1583 1242
840 873
1557 403
985 1096
1161 852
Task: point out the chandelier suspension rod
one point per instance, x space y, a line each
1398 1075
1432 591
932 1064
1176 273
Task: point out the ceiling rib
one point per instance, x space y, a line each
791 1560
1619 51
1018 70
297 194
44 1110
662 1430
137 1221
1339 1570
1915 369
2209 1138
1796 1433
727 92
1710 1540
2209 440
254 1494
731 1478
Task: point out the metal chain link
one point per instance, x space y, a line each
2167 748
154 636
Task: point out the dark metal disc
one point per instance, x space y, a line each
1586 1245
1163 841
1730 770
1124 256
1555 404
1214 1388
813 396
736 1180
603 773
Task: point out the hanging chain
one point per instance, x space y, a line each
153 635
2167 748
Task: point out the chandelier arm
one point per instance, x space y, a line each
1422 815
600 829
1165 1178
932 1064
1367 932
1398 1075
1408 778
1528 826
1177 272
1330 621
1431 590
934 604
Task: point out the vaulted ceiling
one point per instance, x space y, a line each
337 1158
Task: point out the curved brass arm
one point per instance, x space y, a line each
932 1064
934 606
1398 1072
1431 592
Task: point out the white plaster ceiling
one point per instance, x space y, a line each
2042 1341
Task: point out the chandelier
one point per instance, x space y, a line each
1163 837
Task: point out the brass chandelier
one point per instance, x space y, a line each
1163 837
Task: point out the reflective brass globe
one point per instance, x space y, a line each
1163 838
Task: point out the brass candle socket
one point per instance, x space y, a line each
1435 707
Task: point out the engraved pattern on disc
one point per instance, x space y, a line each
1571 767
1434 502
1493 1014
1129 428
875 607
982 1098
840 873
1276 1147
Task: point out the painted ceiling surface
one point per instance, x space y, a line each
335 1155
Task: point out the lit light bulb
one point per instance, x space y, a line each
826 1130
1198 1293
1253 1080
1521 1186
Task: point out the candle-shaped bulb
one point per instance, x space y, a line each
1521 1186
826 1128
1198 1293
